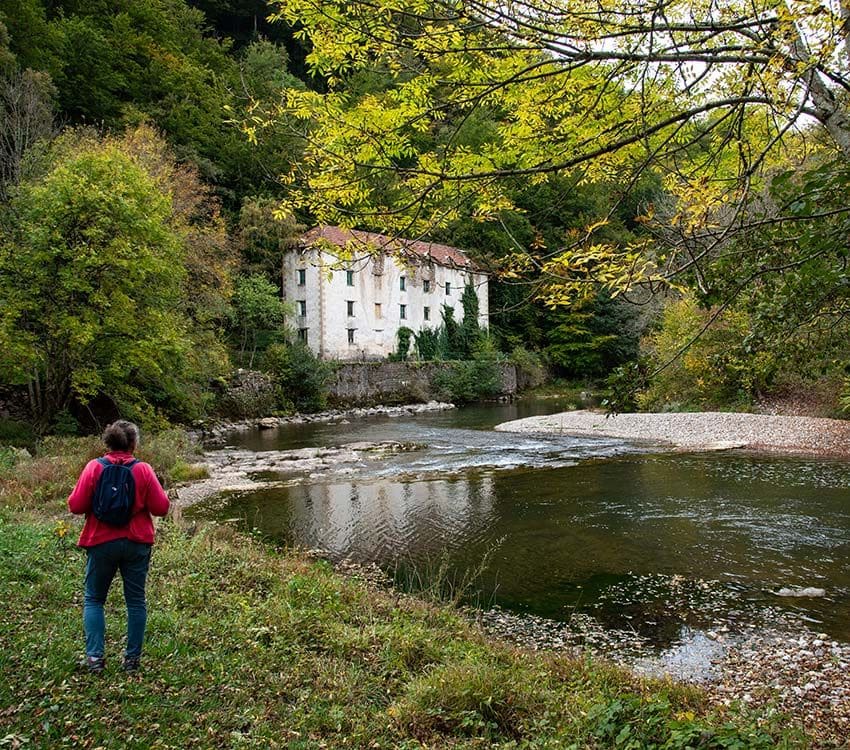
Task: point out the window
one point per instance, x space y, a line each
349 306
378 312
349 278
448 287
427 313
302 307
302 335
351 335
402 312
402 281
302 276
426 286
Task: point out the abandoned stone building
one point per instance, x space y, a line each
352 290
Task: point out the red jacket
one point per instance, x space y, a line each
150 499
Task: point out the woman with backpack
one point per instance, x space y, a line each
119 495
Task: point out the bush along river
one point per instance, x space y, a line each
724 568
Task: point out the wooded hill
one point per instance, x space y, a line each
656 193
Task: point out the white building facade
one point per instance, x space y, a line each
351 290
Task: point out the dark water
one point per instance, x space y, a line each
639 539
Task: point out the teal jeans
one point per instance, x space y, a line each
104 560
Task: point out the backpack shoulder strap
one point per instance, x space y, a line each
103 461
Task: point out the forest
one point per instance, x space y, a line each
658 192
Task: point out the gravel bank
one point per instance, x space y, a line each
701 431
241 470
798 672
213 432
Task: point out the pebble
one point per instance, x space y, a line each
778 664
694 431
211 432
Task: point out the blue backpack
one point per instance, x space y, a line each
115 492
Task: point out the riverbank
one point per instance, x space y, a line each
213 432
249 646
238 470
748 659
242 470
781 666
701 431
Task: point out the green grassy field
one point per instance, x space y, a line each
248 646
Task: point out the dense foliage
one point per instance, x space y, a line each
300 376
95 288
738 127
119 63
585 184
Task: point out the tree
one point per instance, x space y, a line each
470 330
450 340
263 238
427 343
257 312
26 117
300 376
718 370
7 57
592 339
403 338
210 256
98 296
121 64
708 96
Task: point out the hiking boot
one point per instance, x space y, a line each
94 664
131 663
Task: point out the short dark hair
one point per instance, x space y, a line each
121 436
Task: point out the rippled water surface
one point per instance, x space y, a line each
643 540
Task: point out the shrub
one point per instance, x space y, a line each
16 433
531 371
45 480
300 376
472 380
427 343
403 337
716 370
450 341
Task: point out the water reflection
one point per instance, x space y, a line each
581 525
373 521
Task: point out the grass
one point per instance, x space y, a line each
250 646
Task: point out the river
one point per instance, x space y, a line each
653 543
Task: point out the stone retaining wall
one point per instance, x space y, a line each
355 384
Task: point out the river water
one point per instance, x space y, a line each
656 543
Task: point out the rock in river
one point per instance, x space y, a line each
808 591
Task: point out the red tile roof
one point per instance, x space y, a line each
444 255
